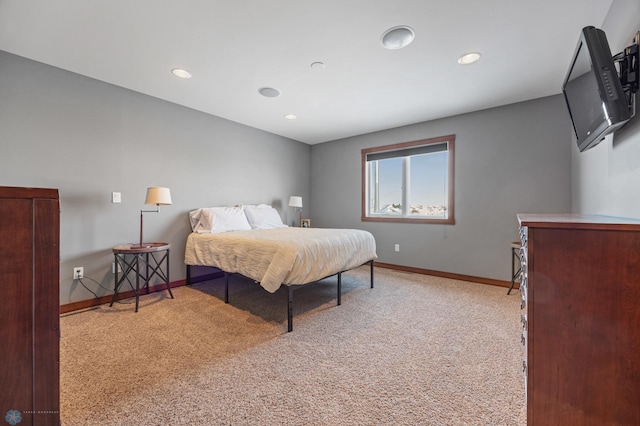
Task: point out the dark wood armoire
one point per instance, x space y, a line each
29 306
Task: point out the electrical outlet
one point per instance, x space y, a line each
116 197
397 247
78 272
113 267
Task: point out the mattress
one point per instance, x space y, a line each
288 256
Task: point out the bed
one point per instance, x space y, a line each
252 241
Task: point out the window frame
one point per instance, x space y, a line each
450 220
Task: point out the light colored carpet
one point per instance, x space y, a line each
415 350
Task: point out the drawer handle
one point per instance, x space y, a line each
523 286
523 235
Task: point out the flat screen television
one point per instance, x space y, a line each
596 101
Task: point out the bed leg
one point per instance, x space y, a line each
188 274
290 310
371 262
226 287
339 288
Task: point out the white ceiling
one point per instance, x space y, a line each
232 48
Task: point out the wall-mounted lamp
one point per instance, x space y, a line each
296 203
158 196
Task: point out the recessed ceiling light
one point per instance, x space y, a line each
397 37
179 72
290 117
469 58
269 92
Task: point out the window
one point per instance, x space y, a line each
409 182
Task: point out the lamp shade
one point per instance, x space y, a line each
158 195
295 201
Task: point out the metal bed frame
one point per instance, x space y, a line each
291 288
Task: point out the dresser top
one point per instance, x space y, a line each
18 192
578 221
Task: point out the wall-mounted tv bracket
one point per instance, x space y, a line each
629 71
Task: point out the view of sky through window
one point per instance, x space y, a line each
428 180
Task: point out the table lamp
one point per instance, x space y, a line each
296 203
158 196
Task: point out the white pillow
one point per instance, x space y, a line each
263 217
197 222
254 206
219 219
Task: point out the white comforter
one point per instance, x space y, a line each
284 255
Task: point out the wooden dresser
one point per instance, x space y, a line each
581 319
29 306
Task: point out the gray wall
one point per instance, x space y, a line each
606 178
88 138
508 160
